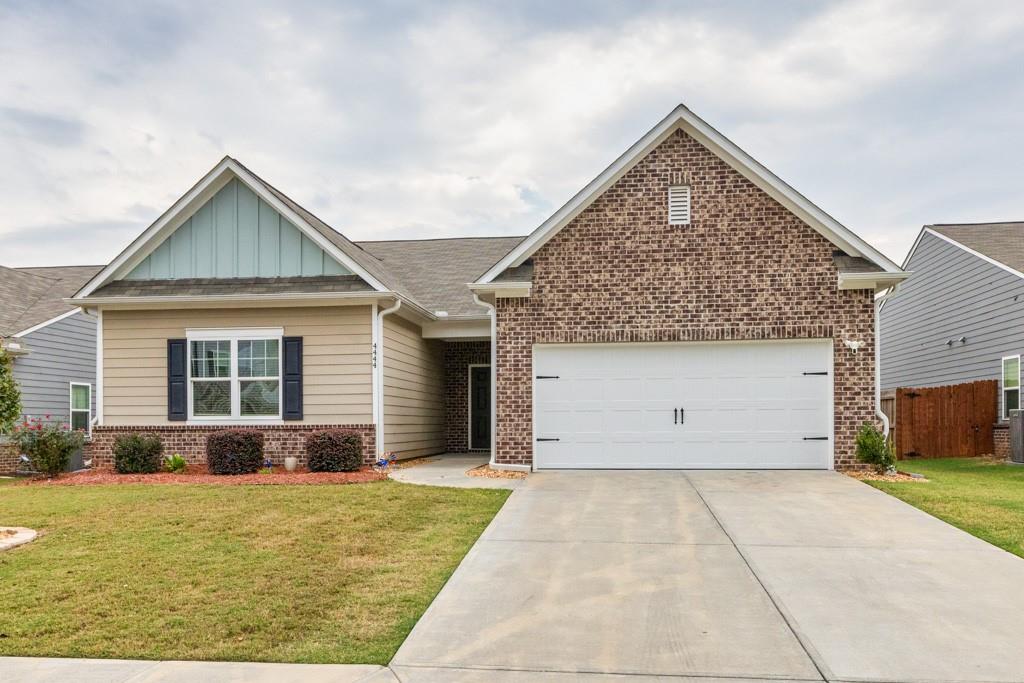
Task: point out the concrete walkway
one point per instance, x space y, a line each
704 576
52 670
450 470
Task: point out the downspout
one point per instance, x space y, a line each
879 413
379 373
493 315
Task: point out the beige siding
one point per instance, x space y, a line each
413 390
337 376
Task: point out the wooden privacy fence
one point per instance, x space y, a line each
946 422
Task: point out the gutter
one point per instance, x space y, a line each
378 377
879 413
493 315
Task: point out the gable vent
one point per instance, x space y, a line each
679 205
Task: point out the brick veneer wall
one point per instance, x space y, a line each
744 269
9 453
190 441
1001 437
458 356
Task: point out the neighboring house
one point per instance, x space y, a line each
686 309
960 316
52 344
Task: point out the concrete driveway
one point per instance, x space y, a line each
659 576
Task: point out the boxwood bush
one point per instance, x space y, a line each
334 450
137 453
234 451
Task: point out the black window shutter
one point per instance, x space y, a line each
292 378
177 380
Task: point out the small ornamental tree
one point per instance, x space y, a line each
10 395
873 449
48 445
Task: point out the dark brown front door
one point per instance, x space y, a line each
480 407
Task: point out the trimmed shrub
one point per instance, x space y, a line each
234 451
334 450
873 449
137 453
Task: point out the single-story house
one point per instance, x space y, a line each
960 316
685 309
52 345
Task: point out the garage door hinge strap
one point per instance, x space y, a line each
815 438
547 439
823 372
547 376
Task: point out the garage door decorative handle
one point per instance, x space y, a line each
675 416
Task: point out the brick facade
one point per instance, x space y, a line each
9 452
190 441
458 356
744 269
1001 437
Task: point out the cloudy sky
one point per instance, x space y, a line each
410 119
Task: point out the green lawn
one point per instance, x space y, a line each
263 573
981 497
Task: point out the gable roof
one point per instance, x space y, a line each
437 270
32 296
718 144
363 264
998 243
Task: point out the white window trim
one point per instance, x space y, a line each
233 336
72 410
1003 413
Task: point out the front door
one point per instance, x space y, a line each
480 407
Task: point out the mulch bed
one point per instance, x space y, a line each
198 474
867 475
490 473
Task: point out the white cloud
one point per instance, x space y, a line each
422 120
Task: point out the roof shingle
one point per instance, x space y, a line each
29 296
1003 242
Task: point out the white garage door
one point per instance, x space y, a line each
749 405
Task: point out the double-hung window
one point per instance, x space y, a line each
80 413
234 374
1011 385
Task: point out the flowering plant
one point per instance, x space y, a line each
48 445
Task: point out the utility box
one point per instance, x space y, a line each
1017 436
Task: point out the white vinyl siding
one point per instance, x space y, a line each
679 205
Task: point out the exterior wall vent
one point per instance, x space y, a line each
679 205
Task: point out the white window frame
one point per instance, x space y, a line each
233 336
1004 413
72 410
689 204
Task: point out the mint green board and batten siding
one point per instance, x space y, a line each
236 234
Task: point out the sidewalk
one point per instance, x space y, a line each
59 670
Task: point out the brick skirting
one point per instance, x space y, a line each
1001 437
190 441
9 453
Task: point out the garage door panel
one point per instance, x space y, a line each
747 405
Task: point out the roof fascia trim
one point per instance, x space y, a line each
972 252
718 144
186 205
57 319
